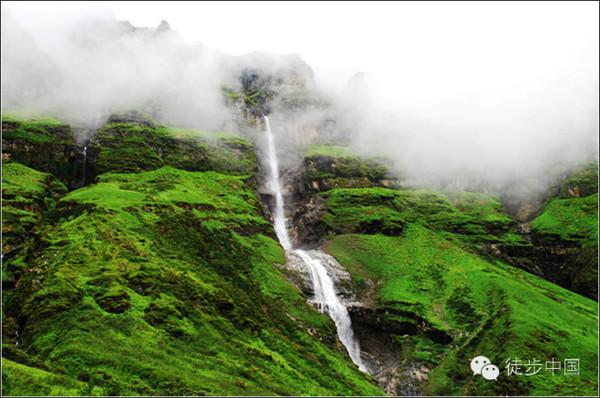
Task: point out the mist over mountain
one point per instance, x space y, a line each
498 119
107 64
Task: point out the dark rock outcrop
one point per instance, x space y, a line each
47 146
133 117
565 263
380 335
559 252
320 173
307 220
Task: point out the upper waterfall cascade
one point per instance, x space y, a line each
326 297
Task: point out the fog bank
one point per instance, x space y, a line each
455 94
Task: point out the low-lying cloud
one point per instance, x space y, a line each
455 96
93 65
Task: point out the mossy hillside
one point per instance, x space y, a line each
229 152
127 147
334 151
144 288
573 219
29 115
32 381
572 216
568 229
330 166
27 194
582 182
229 199
470 219
564 239
41 142
490 308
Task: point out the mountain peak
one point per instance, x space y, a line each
163 27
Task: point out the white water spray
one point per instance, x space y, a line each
325 295
84 165
275 185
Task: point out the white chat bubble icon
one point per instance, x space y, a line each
478 363
490 372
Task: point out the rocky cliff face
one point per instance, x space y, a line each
320 172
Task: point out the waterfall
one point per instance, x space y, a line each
275 185
84 164
325 295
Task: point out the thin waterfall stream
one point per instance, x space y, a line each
326 298
84 165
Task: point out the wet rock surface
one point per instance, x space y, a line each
307 221
381 349
298 273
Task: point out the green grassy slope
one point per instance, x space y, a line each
506 312
162 282
33 381
470 219
27 194
572 216
330 166
421 250
573 219
569 226
128 147
162 278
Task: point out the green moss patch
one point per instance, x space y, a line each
572 219
27 195
581 183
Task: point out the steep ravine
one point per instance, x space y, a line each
379 350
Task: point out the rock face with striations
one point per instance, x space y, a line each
282 87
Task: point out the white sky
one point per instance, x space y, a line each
445 47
